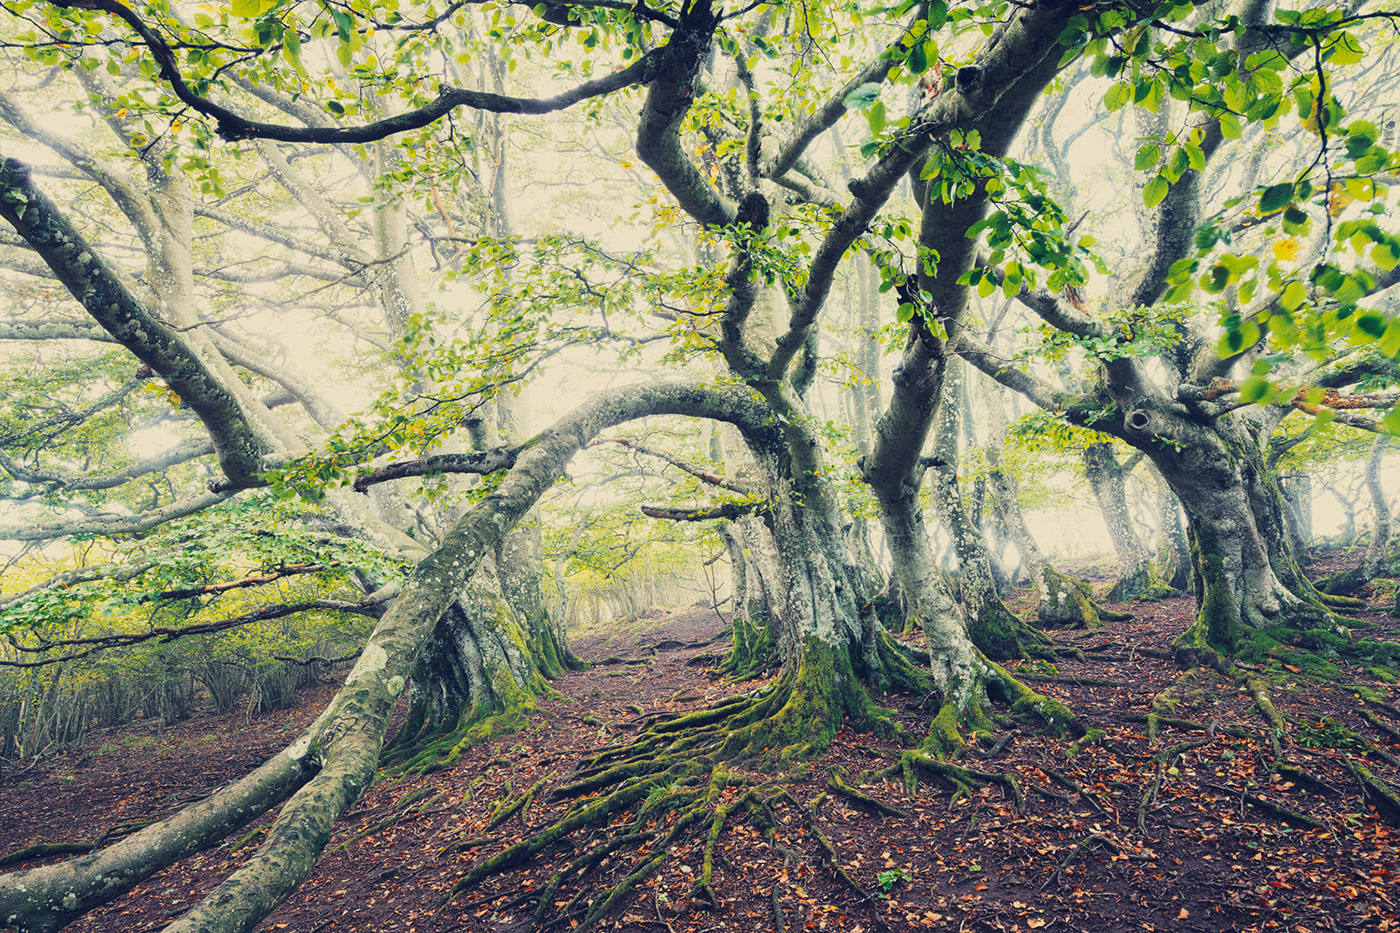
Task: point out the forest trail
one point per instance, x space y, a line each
1189 833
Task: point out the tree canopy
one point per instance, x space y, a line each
312 304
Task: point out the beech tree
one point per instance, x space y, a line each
738 124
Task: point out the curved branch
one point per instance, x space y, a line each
477 462
670 93
233 126
96 643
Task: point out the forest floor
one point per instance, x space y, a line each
1208 851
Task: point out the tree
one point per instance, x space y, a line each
738 151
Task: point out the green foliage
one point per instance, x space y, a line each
890 877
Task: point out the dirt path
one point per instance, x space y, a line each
1213 854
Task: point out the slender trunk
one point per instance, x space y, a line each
1108 479
1380 510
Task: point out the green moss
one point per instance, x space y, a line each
751 650
1000 633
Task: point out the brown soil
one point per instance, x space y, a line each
1210 859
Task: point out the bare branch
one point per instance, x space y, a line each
479 462
698 472
729 511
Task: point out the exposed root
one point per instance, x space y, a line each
410 805
521 805
46 850
1299 776
1376 792
964 780
1381 724
1291 817
1070 784
865 801
1149 798
1168 755
1090 841
676 772
832 860
1155 722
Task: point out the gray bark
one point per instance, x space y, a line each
1108 479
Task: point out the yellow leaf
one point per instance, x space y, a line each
1035 923
1286 249
1184 914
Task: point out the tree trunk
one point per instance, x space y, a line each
993 627
1108 479
1242 562
1373 564
1175 552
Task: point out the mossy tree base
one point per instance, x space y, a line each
680 778
751 652
969 713
1068 602
1000 633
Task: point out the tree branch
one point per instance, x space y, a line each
477 462
232 126
168 634
113 524
700 473
728 510
104 296
64 479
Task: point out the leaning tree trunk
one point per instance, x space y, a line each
335 759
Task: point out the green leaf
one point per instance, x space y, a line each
1117 96
917 62
1147 157
1154 191
1293 296
862 97
245 9
1275 198
876 116
1256 389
